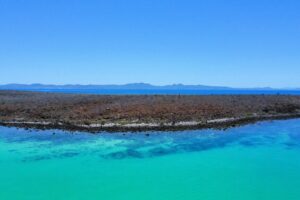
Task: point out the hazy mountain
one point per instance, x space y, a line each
131 86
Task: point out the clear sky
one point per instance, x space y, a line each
253 43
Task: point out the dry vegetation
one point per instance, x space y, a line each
88 109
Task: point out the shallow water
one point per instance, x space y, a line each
258 161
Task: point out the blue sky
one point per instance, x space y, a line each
239 43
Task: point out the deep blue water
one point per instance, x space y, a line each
170 92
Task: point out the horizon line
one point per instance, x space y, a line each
149 84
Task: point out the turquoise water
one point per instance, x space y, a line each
258 161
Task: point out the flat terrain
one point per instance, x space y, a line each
140 111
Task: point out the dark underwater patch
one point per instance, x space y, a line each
161 151
248 143
37 158
67 155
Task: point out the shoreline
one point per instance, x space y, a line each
221 123
95 113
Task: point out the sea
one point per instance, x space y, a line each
258 161
168 92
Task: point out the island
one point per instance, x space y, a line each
95 113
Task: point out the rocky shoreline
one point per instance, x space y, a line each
223 123
95 113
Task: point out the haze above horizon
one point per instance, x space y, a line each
237 44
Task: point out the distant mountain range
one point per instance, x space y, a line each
131 86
